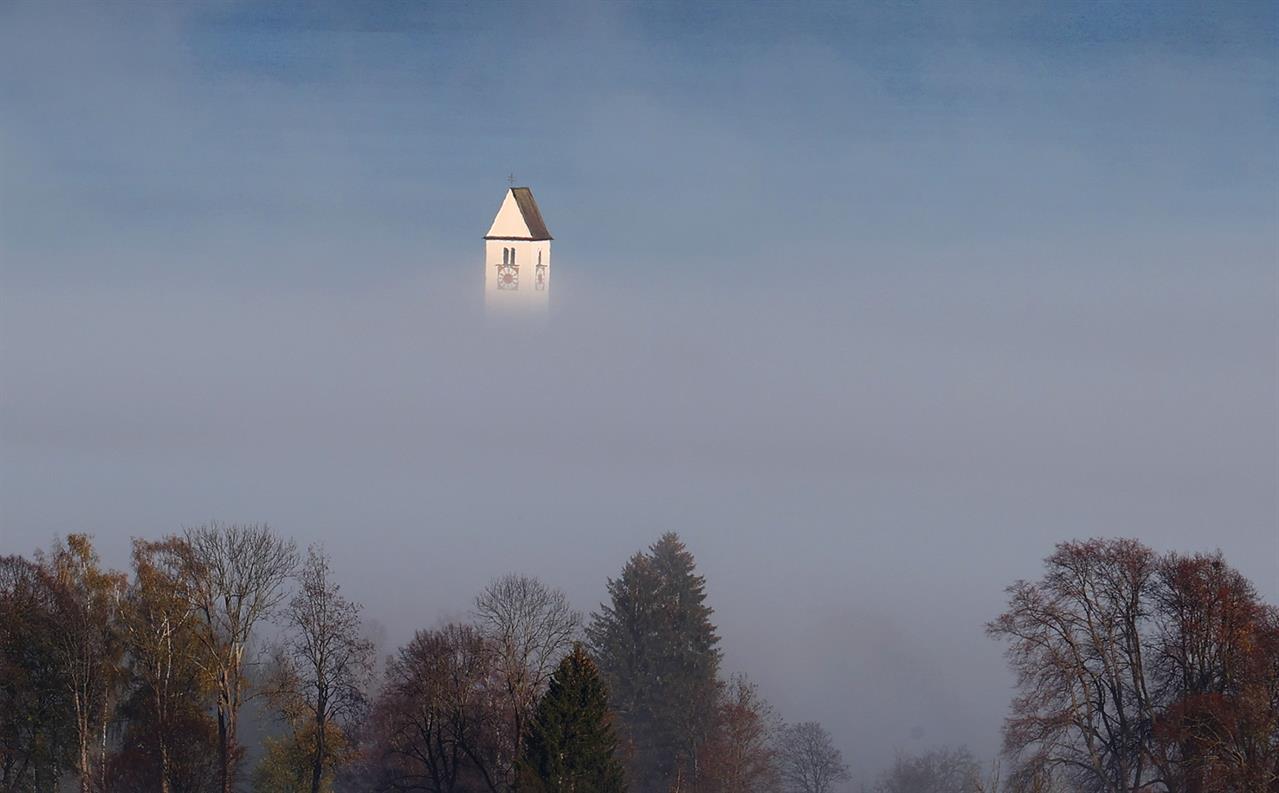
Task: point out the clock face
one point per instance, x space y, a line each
508 276
541 275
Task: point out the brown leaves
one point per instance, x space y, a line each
1134 670
740 755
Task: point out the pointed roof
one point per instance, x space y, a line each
519 218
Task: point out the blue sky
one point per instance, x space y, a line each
873 304
987 124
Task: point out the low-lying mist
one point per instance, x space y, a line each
861 459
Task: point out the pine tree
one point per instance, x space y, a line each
571 747
656 647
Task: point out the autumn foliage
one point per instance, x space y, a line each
1142 672
1136 672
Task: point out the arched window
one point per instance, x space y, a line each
512 256
506 256
539 258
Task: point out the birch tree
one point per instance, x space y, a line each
159 625
88 646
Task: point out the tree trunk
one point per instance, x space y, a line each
163 739
224 754
86 780
317 762
165 786
82 743
226 731
519 749
102 758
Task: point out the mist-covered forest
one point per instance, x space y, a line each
226 658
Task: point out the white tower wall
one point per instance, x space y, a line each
521 283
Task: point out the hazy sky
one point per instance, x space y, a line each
871 306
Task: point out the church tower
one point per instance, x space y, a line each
517 256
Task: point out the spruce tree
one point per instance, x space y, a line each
571 747
656 647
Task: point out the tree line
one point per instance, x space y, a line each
113 681
1136 672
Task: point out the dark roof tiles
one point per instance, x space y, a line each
532 215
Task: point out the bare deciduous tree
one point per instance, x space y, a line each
942 770
808 759
235 576
432 724
1076 647
327 660
531 627
1141 673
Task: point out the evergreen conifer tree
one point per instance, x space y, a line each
571 747
657 650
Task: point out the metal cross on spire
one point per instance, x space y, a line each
510 180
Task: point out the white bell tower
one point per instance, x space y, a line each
517 256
